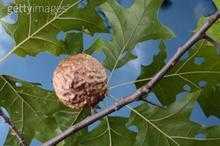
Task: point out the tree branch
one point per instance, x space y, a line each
15 131
141 91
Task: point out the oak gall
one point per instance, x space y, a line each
80 81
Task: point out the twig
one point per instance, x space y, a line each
141 91
15 131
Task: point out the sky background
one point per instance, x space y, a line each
181 17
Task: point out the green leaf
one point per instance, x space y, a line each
33 109
3 10
166 97
65 119
129 27
74 42
111 132
214 30
36 32
200 71
174 122
217 3
38 114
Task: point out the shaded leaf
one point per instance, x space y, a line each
65 119
111 132
201 70
74 42
32 109
175 122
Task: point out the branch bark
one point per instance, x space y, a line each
15 131
144 90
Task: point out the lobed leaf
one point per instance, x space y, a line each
111 132
200 71
175 123
37 31
129 27
33 109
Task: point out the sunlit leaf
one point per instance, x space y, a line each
37 31
214 30
3 9
129 27
217 3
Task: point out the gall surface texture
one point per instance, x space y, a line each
80 81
